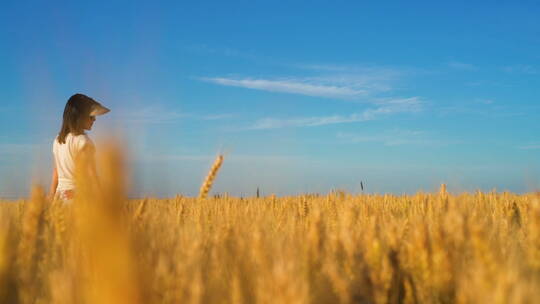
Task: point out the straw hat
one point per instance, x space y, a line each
84 103
98 109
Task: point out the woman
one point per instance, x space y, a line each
72 142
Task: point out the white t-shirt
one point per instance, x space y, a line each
64 158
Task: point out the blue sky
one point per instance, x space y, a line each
301 96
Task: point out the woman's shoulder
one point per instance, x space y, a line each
82 139
78 141
82 136
74 141
70 137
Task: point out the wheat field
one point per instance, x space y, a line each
332 248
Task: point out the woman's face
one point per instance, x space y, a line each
88 122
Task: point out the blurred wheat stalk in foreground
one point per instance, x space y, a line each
335 248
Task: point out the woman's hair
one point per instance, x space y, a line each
77 108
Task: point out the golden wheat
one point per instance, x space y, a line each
27 260
336 248
207 184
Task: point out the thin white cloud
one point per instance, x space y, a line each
462 66
412 104
157 115
371 84
349 82
294 86
353 83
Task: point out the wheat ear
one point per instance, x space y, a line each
207 184
442 190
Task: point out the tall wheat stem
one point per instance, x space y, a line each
207 184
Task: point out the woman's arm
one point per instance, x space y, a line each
54 183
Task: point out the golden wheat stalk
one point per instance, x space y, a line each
140 210
207 184
442 190
108 260
28 245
